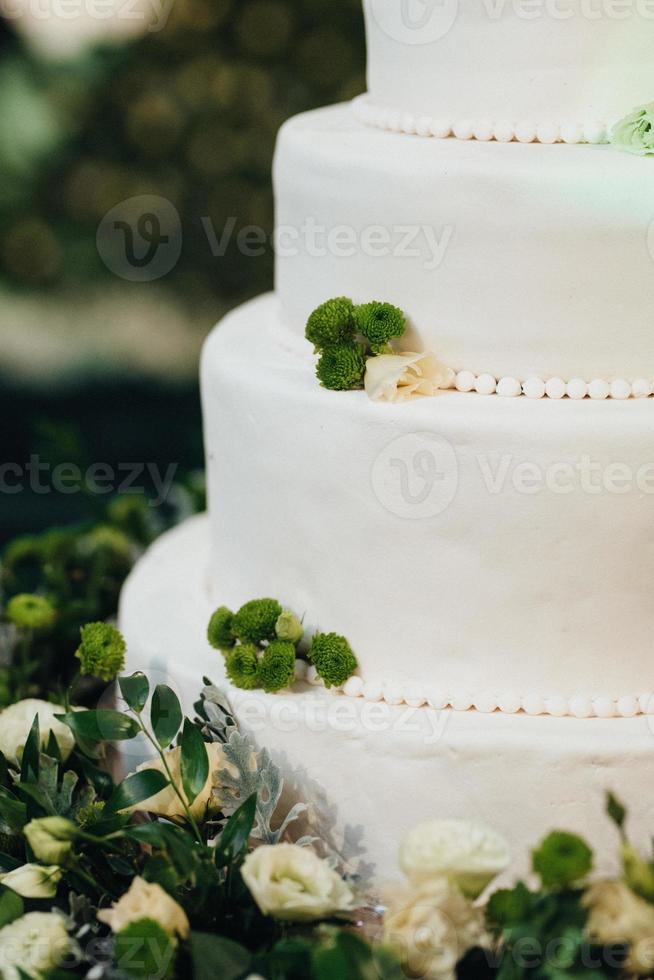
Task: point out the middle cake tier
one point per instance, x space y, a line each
474 550
511 259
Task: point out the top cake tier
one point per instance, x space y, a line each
566 63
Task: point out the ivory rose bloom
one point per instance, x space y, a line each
431 926
635 133
292 883
167 803
468 855
16 722
33 880
617 915
399 377
33 945
146 900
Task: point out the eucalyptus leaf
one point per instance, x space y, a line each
238 829
165 714
194 763
136 788
135 690
101 725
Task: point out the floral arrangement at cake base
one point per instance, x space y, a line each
193 866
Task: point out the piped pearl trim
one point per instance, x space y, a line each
411 695
484 130
554 388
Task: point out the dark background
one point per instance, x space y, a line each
94 367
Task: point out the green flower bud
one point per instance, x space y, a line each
331 324
219 631
51 839
342 368
379 323
242 666
277 667
30 612
102 651
256 620
562 860
333 658
289 628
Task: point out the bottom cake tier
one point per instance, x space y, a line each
371 771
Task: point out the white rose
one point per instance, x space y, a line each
467 854
146 900
292 883
399 377
33 880
431 926
16 722
33 944
167 803
617 915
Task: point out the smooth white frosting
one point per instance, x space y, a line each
372 771
511 260
476 547
529 63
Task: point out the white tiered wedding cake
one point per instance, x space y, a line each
487 552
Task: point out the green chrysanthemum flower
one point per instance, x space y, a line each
256 620
379 323
562 860
30 612
101 652
289 628
219 631
331 324
277 668
242 666
333 658
342 368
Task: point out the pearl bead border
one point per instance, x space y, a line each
396 693
554 388
483 130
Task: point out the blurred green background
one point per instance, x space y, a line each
95 112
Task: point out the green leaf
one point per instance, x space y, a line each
12 811
143 950
135 690
343 957
173 841
236 834
12 906
101 725
166 715
194 763
616 811
136 788
29 769
52 748
213 957
100 780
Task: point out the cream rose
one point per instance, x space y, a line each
167 803
469 855
292 883
431 926
33 880
617 915
33 944
399 377
16 722
146 900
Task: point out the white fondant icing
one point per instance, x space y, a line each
369 762
512 558
499 270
